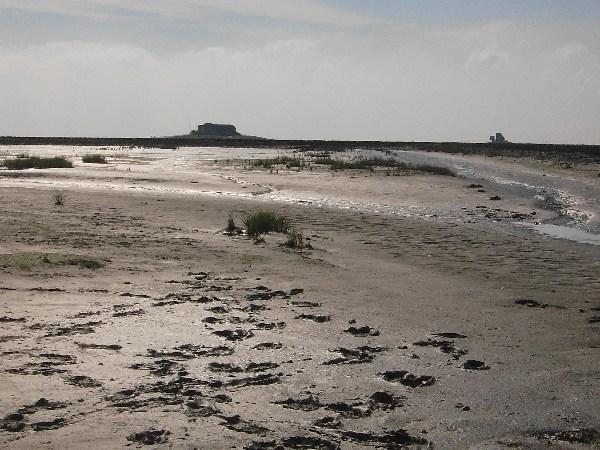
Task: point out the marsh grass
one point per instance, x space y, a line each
295 240
35 162
59 198
395 168
286 161
264 222
94 159
30 260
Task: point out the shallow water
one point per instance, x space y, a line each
561 232
576 200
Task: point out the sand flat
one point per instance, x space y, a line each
113 308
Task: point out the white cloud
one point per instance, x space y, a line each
307 11
405 83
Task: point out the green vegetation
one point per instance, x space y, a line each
34 162
397 167
95 159
264 222
286 161
59 198
324 159
295 240
29 260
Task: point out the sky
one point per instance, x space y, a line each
408 70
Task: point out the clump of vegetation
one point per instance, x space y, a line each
295 240
396 167
35 162
94 159
324 158
232 229
264 222
59 198
286 161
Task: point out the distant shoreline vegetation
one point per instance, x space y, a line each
22 162
391 166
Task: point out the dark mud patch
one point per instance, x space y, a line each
364 354
314 317
268 346
234 320
236 423
84 314
181 298
258 380
535 304
234 335
391 440
13 423
160 368
473 364
385 401
299 304
129 294
6 319
200 407
577 436
78 328
447 347
191 351
224 367
407 379
50 425
267 295
311 403
218 310
113 347
261 366
42 404
270 325
253 307
150 437
82 381
450 335
330 422
363 331
45 369
41 289
307 442
131 312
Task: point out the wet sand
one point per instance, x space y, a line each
419 319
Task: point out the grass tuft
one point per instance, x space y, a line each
59 198
35 162
295 240
263 222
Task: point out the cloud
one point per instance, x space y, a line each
306 11
396 83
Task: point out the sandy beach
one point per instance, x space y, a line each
424 316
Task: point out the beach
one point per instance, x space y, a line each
427 312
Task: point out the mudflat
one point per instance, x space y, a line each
420 317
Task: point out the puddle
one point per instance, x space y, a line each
561 232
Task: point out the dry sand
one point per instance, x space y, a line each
112 308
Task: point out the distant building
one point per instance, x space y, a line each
498 139
215 130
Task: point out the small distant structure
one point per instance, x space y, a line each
215 130
498 139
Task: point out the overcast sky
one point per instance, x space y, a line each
445 70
